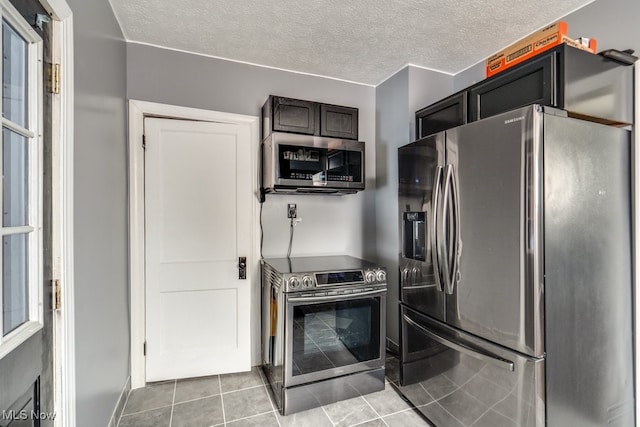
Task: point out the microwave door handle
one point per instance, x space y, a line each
463 348
443 238
435 204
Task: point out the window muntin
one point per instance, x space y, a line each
21 189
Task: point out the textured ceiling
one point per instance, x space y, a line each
364 41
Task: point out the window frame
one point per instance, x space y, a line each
33 132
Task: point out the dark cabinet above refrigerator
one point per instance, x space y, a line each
443 115
280 114
587 86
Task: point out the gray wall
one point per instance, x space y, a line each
100 192
397 100
392 131
613 23
330 224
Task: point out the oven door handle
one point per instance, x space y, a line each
337 297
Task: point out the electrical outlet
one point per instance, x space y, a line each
292 210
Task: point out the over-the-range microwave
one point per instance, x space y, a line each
294 163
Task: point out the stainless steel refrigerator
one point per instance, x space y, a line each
516 274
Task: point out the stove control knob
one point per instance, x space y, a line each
307 282
381 276
294 282
369 276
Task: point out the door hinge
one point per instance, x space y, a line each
144 348
57 295
54 78
144 142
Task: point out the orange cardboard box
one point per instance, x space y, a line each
532 45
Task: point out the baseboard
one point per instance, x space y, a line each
393 347
122 400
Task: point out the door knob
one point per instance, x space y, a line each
242 268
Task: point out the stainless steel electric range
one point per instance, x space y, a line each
323 329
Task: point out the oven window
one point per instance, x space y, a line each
331 335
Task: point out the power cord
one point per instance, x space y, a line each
294 222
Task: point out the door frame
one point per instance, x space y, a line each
138 110
64 367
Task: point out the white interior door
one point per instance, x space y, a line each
197 215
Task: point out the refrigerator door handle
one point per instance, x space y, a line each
457 242
444 244
462 348
435 202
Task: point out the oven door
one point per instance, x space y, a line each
332 335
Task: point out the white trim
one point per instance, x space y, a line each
8 231
67 403
62 210
138 110
19 23
16 337
222 58
59 9
409 64
17 128
435 70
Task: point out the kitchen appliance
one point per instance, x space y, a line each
294 163
323 329
515 272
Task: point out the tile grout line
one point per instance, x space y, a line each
460 388
211 395
123 406
145 410
327 415
173 401
404 410
374 411
449 412
241 389
224 416
252 416
264 384
198 398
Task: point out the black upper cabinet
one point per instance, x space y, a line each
443 115
294 115
531 84
338 122
281 114
586 85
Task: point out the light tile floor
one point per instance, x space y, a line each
238 400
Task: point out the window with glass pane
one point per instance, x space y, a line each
15 187
15 293
14 75
16 140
